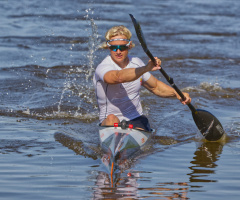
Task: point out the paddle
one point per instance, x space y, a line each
207 123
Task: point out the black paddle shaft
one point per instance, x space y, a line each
171 82
168 78
207 123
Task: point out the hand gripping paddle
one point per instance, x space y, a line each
207 123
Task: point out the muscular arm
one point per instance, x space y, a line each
130 74
159 88
124 75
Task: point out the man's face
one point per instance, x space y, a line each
119 57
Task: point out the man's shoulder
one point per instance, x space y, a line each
136 61
106 61
105 66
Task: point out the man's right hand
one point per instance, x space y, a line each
151 66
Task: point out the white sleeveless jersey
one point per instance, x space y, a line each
122 99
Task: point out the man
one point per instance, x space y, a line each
118 79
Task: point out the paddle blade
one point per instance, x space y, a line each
208 124
139 33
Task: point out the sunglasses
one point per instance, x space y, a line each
120 47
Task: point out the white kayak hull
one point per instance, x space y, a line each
118 145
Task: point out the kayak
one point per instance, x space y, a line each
119 143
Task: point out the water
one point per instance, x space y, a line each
49 145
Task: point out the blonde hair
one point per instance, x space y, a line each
115 31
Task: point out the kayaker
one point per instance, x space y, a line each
118 79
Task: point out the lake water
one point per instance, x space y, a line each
49 145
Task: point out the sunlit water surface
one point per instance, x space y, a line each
49 146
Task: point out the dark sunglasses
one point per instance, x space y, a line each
120 47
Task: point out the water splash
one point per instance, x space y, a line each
211 86
93 44
83 89
66 87
205 87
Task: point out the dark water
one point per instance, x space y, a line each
49 145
